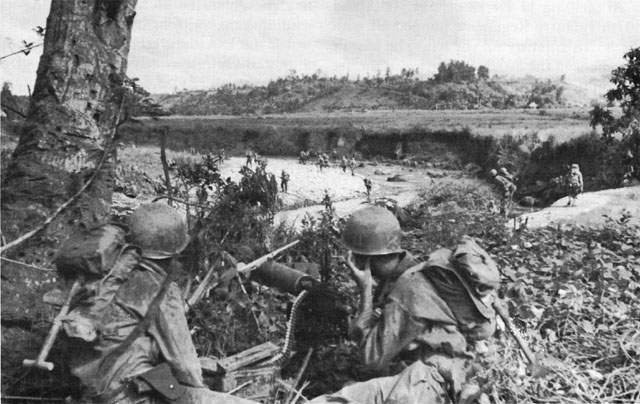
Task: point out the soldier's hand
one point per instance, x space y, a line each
362 277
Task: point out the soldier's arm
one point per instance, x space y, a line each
171 332
383 337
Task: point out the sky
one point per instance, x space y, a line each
202 44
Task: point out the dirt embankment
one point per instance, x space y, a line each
308 185
592 209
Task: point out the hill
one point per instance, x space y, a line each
455 86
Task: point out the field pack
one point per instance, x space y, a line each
92 252
475 264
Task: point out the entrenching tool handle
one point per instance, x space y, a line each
53 332
502 312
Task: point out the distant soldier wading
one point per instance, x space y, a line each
353 164
428 314
284 181
129 333
343 164
368 184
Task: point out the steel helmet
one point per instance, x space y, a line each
493 172
503 170
159 230
372 231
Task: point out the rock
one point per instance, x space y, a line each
472 168
379 172
435 174
397 178
626 249
530 201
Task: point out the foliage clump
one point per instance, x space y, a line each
574 294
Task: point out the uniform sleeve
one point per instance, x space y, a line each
581 182
172 335
385 336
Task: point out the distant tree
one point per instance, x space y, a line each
456 71
626 80
10 103
600 116
559 93
483 73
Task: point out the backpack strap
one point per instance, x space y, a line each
152 313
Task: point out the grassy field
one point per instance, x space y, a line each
563 124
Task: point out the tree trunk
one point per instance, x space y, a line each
71 120
70 125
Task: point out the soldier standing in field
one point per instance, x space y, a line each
353 164
368 184
507 188
574 183
343 164
430 314
284 181
130 338
249 154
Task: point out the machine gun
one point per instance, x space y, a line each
317 301
316 310
240 267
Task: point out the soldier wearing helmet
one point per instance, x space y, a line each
368 184
506 174
131 339
426 313
574 183
507 186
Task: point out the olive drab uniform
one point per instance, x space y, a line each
508 188
352 164
506 174
431 317
284 181
368 184
129 333
250 157
343 164
575 185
